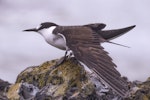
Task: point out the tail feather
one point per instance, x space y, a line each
118 44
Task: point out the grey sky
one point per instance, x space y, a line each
18 49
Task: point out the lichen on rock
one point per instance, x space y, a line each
12 93
66 77
142 92
69 72
68 81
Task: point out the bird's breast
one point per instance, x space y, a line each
56 41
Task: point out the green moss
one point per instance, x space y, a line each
37 75
64 77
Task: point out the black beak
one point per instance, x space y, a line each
31 30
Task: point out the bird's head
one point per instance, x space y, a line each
42 26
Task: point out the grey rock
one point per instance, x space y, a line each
27 91
3 89
69 81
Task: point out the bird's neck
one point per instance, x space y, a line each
53 39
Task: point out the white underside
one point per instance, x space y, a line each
57 41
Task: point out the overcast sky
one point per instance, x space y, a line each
19 50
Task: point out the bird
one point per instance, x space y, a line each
85 43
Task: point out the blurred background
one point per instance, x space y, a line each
19 50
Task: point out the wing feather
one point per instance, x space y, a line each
89 51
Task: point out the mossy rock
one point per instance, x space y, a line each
12 93
143 92
65 76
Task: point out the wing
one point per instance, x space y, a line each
112 34
96 26
89 51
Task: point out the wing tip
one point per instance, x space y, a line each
114 33
131 27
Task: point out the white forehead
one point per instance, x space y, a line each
47 30
51 29
38 26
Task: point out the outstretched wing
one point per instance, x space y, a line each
89 51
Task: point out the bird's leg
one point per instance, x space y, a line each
61 60
69 56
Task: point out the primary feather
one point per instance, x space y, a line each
89 51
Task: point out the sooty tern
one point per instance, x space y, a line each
85 43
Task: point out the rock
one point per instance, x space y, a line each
27 91
12 93
141 91
3 89
69 81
